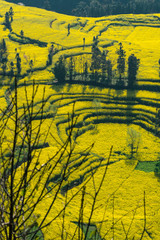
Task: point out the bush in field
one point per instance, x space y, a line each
22 33
133 141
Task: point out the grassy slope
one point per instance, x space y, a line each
140 35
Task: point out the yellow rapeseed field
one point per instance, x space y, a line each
105 117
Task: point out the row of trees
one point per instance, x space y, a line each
100 68
96 8
133 66
14 67
5 64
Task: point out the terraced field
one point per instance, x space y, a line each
105 117
124 119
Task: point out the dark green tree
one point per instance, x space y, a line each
50 55
7 21
11 13
157 170
95 61
103 66
49 62
121 62
3 50
3 57
4 67
11 69
84 43
59 70
86 70
133 66
22 34
18 63
4 47
106 67
69 27
109 72
31 65
4 63
71 68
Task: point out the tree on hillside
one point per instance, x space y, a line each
22 34
11 69
133 66
3 57
3 50
31 65
7 21
106 67
85 70
4 68
84 43
50 55
18 63
71 68
59 70
121 62
3 45
4 64
69 27
95 60
11 13
133 141
109 72
103 66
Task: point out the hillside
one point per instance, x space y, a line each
122 118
